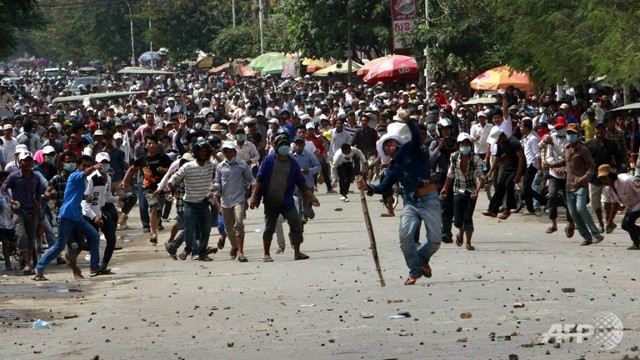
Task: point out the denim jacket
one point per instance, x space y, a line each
410 166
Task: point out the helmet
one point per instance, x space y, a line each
205 103
282 135
199 144
444 122
214 141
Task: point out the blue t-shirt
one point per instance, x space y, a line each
73 195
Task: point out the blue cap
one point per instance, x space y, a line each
295 139
599 123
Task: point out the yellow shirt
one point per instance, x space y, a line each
589 130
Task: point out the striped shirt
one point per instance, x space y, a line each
198 180
465 182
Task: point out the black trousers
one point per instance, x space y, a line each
345 177
504 186
529 193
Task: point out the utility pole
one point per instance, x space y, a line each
261 19
427 81
233 12
133 56
150 41
349 51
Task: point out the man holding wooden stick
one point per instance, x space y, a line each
420 197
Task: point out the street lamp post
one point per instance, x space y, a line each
133 56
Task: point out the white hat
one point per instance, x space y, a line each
494 135
21 148
464 136
102 156
250 121
306 117
310 126
259 113
48 150
7 127
381 142
444 122
274 121
24 155
171 99
564 106
117 136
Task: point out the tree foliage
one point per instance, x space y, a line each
243 41
320 28
17 16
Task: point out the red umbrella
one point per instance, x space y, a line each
393 68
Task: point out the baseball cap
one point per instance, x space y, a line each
229 145
102 156
600 123
604 170
7 127
48 150
494 135
24 155
564 106
298 138
573 128
310 126
559 122
464 136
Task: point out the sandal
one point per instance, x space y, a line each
280 250
301 256
267 259
153 239
551 229
220 242
459 239
40 278
387 215
233 253
569 230
242 258
471 248
410 281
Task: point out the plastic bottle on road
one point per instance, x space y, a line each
41 324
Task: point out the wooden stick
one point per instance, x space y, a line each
372 237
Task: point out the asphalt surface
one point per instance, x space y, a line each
332 305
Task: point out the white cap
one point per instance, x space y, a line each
494 135
464 136
274 121
306 117
444 122
102 156
24 155
310 126
383 139
7 127
48 150
171 99
229 145
21 148
117 136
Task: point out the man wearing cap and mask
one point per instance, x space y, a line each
9 143
440 156
623 189
579 167
604 152
480 133
277 178
247 151
310 168
465 173
232 182
97 194
411 167
510 157
552 152
26 192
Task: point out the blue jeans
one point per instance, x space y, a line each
197 216
427 209
577 203
66 228
144 208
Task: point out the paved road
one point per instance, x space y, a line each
155 307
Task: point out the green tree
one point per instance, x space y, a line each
17 16
243 41
320 29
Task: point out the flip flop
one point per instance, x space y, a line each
551 229
568 231
387 215
280 250
242 258
459 239
301 256
469 247
233 253
40 278
267 259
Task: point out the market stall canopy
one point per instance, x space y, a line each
339 68
393 68
76 98
314 65
221 68
501 78
631 108
142 71
272 62
205 61
482 101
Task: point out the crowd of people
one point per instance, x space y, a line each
214 147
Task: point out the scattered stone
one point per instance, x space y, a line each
568 290
462 340
466 315
513 357
332 340
518 305
337 209
366 315
403 333
557 345
107 340
504 337
230 344
634 348
459 329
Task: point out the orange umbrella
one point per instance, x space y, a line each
501 78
